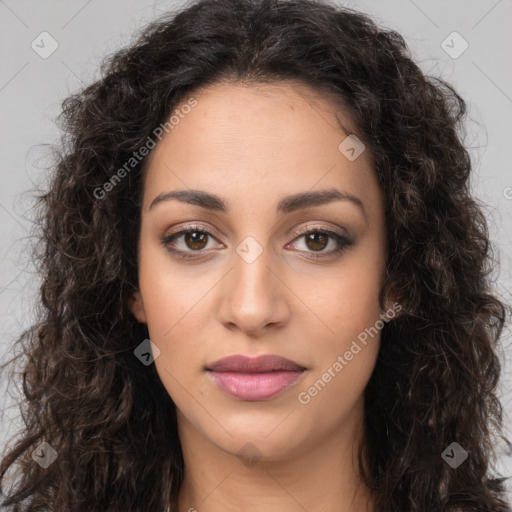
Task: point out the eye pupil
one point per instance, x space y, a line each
196 237
314 237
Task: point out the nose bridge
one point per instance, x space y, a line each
252 300
251 269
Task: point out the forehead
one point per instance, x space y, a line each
257 139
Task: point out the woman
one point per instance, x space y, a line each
265 282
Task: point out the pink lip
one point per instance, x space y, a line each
254 378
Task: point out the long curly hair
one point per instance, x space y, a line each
109 418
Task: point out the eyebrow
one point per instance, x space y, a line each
287 204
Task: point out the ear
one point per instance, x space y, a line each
136 306
394 303
393 309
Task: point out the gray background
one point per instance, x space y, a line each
32 88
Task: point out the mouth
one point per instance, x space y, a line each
254 378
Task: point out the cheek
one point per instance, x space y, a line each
331 394
346 357
347 302
351 316
355 303
173 296
175 317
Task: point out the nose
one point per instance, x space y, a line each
254 297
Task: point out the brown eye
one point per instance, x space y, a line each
196 240
317 241
188 242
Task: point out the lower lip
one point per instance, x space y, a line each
254 386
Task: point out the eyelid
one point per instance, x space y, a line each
190 227
310 227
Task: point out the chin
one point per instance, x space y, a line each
267 439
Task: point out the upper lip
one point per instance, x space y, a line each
247 364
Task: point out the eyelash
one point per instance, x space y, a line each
342 242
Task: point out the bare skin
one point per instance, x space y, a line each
252 146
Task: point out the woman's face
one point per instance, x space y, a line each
255 284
